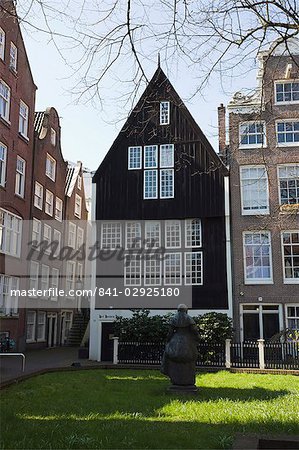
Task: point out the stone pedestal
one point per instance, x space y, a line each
179 389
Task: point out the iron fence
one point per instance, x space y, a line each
244 354
282 355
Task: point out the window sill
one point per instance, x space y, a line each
287 144
39 208
255 213
291 102
258 282
9 316
24 138
5 121
13 70
253 147
20 197
50 178
30 341
291 281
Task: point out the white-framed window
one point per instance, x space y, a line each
3 159
50 167
78 206
2 44
70 276
23 119
30 326
36 231
58 209
4 100
290 252
10 233
172 234
8 302
80 237
133 235
38 195
164 113
111 237
254 190
287 91
49 202
13 56
152 234
287 133
167 183
192 233
193 268
54 281
45 278
34 269
152 270
72 235
252 134
257 257
47 236
79 182
134 158
150 188
20 177
41 326
292 317
53 137
57 239
288 176
166 155
172 269
150 156
132 270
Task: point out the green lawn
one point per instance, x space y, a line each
123 409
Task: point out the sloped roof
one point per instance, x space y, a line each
73 171
38 121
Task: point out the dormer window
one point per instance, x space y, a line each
13 56
287 91
53 137
164 113
50 167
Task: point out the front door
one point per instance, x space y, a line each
52 330
260 321
107 341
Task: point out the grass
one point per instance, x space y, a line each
124 409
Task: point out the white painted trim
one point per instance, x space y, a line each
253 212
253 146
157 181
228 247
129 149
185 233
161 173
288 81
286 280
200 252
165 259
155 147
257 280
166 222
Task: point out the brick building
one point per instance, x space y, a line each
263 156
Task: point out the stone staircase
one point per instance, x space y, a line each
76 333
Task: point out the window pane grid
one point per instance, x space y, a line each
133 235
134 157
254 186
132 270
172 269
290 243
150 156
287 132
111 236
257 254
164 113
166 155
193 232
152 235
172 234
252 134
289 184
193 268
166 183
287 92
152 271
150 184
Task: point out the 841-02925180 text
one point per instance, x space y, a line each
140 292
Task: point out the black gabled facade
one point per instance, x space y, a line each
198 175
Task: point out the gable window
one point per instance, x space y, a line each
20 177
152 271
34 269
72 235
133 235
36 231
38 195
30 326
166 155
293 317
166 183
78 206
13 57
290 247
172 269
164 113
150 156
193 233
193 268
172 234
50 167
252 134
2 43
288 176
132 270
254 190
150 184
111 235
10 233
257 257
23 119
53 136
79 182
152 234
134 157
47 236
287 133
4 100
3 158
58 209
287 91
49 203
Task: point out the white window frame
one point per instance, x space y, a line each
70 277
45 278
169 224
178 281
53 136
78 206
43 324
133 258
2 44
47 236
10 236
287 280
50 167
33 324
189 269
154 151
148 234
163 163
79 182
5 101
58 209
263 134
57 238
20 177
132 160
115 235
13 56
54 284
154 191
8 303
133 235
36 231
151 262
170 194
23 119
49 206
286 144
285 102
80 237
257 211
290 317
72 231
164 115
3 162
38 200
189 233
34 271
249 281
287 179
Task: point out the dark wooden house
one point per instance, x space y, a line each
159 190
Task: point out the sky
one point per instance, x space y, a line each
89 128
